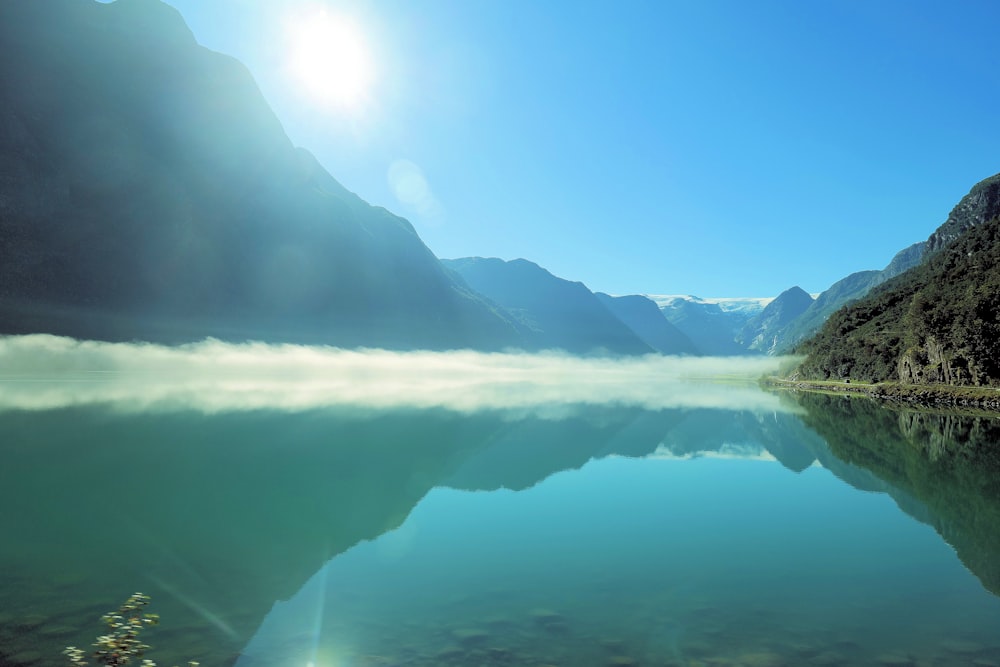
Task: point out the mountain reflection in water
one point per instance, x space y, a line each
608 533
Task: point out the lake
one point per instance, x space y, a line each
721 526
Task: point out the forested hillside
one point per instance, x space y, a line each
937 323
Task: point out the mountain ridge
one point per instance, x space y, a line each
166 203
939 322
557 313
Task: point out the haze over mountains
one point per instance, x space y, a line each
148 192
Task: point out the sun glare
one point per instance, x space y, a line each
330 59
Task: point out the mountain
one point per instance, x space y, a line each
762 332
712 324
773 326
556 313
147 191
939 322
979 206
842 292
647 320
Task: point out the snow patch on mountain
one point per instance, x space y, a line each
741 304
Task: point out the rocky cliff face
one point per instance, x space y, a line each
147 191
981 204
931 362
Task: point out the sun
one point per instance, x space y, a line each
330 59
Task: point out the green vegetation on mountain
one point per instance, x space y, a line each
938 323
844 291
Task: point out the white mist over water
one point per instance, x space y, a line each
42 372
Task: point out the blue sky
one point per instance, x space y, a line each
710 148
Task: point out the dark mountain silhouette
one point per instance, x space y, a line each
147 191
644 317
557 313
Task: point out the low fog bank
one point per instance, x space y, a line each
40 372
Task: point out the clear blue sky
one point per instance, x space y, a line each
712 148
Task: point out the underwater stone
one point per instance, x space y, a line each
761 659
470 636
985 662
26 657
828 659
961 646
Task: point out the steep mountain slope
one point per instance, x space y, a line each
147 191
557 313
645 319
842 292
980 205
938 322
763 331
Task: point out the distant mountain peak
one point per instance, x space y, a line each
763 332
735 303
557 313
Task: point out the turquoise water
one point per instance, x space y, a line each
827 533
653 560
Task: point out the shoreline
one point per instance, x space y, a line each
922 395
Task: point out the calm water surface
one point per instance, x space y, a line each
834 532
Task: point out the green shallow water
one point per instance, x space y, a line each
604 535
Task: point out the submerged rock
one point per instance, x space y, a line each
26 657
985 662
551 621
761 659
545 616
828 659
622 661
895 660
961 646
470 636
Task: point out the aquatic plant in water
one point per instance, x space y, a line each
121 645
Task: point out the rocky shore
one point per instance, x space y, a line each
929 395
